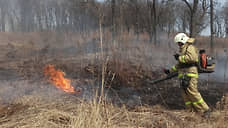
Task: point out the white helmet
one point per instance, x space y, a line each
181 37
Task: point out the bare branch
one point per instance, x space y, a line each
188 4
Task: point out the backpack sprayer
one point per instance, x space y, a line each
206 64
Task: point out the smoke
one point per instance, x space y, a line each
221 71
15 89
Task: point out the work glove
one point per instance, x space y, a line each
176 56
166 71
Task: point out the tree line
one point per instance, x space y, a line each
150 16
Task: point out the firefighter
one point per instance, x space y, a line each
188 74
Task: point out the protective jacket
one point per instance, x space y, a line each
187 60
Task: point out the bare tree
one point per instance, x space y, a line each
197 16
212 24
152 20
193 10
3 8
113 5
225 13
154 14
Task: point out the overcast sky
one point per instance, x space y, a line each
222 1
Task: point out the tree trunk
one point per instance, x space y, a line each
184 24
154 22
3 25
113 27
137 19
193 10
212 25
149 27
193 20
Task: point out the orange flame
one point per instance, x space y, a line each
57 78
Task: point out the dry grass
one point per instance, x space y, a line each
220 45
100 114
70 112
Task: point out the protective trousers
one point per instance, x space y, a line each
192 98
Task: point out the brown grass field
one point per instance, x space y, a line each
112 79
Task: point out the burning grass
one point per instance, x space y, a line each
57 78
